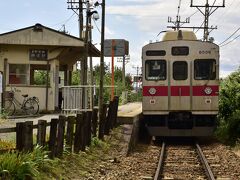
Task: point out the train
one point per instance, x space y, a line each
180 80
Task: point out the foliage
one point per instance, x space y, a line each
6 145
23 165
76 77
229 109
40 77
135 96
107 79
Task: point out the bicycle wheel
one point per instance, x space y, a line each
31 106
9 107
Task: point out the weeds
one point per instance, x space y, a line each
23 165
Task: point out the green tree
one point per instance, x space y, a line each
229 109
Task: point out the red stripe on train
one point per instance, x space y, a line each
160 90
180 90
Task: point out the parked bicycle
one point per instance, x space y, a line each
30 105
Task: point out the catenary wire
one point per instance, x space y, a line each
229 36
230 41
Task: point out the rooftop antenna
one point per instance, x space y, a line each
177 23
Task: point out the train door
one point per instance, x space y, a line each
179 85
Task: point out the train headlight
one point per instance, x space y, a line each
208 90
152 91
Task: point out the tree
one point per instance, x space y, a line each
229 109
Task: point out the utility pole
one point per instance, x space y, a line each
77 7
209 10
101 115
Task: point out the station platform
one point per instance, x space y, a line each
129 112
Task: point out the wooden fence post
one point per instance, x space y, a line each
102 123
84 131
24 136
89 128
94 122
115 110
53 136
78 139
109 118
69 135
28 133
60 136
41 132
19 136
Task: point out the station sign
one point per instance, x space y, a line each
116 47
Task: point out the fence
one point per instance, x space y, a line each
75 132
72 97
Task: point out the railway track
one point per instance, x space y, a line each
182 162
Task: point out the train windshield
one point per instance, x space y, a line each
155 70
205 69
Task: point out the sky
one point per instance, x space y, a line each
137 21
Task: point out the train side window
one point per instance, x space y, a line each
180 70
155 70
205 69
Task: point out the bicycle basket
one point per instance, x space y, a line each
9 94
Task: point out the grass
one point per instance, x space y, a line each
37 165
83 164
19 166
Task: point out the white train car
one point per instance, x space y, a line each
180 85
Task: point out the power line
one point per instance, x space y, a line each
230 41
96 25
229 36
199 27
65 21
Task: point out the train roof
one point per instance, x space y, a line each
179 35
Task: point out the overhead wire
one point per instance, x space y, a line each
65 21
96 25
229 36
230 41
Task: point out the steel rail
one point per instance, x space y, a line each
160 163
205 163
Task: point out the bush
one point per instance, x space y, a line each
228 129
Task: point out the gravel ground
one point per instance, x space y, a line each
140 164
223 161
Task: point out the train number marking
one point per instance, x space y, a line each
204 52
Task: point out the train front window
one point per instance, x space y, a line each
180 70
205 69
155 70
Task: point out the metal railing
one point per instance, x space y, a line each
72 98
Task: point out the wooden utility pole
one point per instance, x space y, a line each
101 115
77 7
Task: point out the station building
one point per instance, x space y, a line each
29 55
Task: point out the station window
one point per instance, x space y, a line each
155 69
18 73
22 73
205 69
180 70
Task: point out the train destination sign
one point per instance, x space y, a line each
116 47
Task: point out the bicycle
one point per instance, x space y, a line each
29 104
